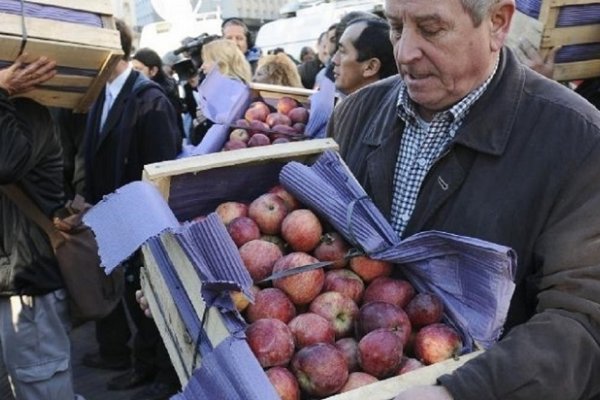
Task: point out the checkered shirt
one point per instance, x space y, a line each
422 143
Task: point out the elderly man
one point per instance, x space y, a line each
470 141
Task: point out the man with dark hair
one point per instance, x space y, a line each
235 29
308 70
364 55
131 124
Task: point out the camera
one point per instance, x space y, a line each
188 67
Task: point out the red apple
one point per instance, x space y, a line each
259 257
234 144
239 134
231 210
338 309
298 114
285 104
369 269
302 230
425 309
389 290
380 353
278 119
310 328
258 127
284 382
271 341
275 239
242 230
268 211
437 342
345 282
241 123
409 364
284 131
356 380
378 315
332 248
349 348
290 201
299 127
271 303
280 140
257 111
303 287
321 369
259 139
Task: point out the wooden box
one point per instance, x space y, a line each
272 93
237 175
85 54
546 33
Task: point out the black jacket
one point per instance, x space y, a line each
30 155
141 128
523 171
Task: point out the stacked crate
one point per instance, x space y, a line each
85 51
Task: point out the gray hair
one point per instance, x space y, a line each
478 9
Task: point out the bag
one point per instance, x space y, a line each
92 293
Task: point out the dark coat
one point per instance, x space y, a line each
523 171
141 128
30 155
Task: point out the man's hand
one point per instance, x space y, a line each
425 393
143 302
18 79
534 60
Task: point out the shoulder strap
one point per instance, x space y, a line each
32 211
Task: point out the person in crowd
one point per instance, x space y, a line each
235 29
226 56
35 352
308 70
277 69
131 124
71 126
439 147
307 54
326 72
149 63
168 60
587 88
364 55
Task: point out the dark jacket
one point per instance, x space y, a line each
141 128
30 155
523 171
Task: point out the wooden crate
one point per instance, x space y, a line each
544 34
272 93
217 178
92 51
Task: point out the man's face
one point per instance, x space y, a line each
439 52
238 35
323 50
331 42
349 73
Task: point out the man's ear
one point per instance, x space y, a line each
153 71
500 20
371 68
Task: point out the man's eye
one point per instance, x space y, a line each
430 31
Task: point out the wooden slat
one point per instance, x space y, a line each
581 34
60 31
389 388
226 158
92 6
576 70
53 98
561 3
168 321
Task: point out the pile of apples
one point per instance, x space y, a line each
262 126
327 330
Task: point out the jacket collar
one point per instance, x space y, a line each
488 125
